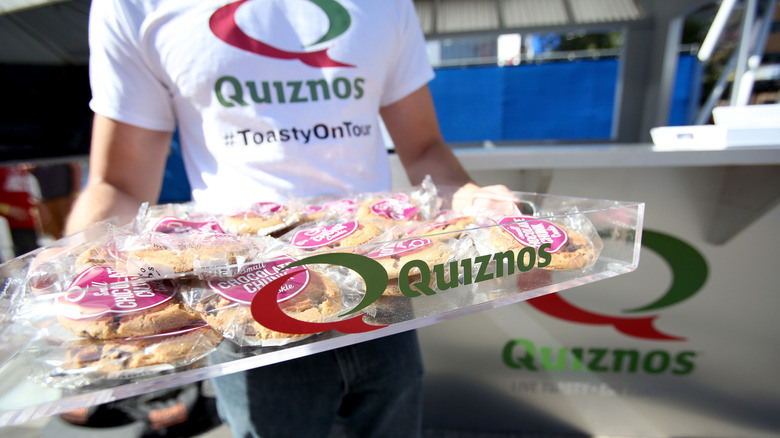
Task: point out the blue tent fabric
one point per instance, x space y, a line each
567 100
176 187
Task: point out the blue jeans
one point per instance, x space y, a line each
375 388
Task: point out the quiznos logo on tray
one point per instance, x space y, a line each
415 279
689 273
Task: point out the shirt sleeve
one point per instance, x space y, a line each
124 87
409 67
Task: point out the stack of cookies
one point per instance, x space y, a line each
124 323
168 288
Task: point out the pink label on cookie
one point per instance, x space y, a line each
428 228
401 247
535 233
174 225
341 206
345 206
316 237
99 290
242 287
263 209
311 209
396 207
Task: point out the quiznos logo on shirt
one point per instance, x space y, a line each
689 273
231 91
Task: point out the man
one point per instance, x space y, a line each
272 99
19 194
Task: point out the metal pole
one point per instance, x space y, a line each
716 29
743 53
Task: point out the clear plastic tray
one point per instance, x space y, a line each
477 284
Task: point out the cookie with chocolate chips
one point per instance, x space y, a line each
114 356
225 303
262 219
103 304
568 250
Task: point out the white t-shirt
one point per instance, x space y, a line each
272 98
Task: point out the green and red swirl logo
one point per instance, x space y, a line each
224 26
689 273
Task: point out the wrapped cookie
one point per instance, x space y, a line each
129 357
264 218
51 270
160 255
331 236
420 265
447 225
103 304
75 363
175 218
225 303
554 246
400 207
329 209
107 324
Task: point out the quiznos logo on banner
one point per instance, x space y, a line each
689 273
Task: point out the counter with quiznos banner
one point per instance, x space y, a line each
117 311
686 345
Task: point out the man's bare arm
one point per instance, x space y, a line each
126 168
414 128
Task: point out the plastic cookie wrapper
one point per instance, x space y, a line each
107 325
539 248
322 209
264 218
309 295
35 281
328 235
390 209
169 247
163 255
175 218
384 208
104 304
564 242
254 219
419 262
343 223
51 269
430 245
77 362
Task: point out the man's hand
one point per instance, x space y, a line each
497 199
